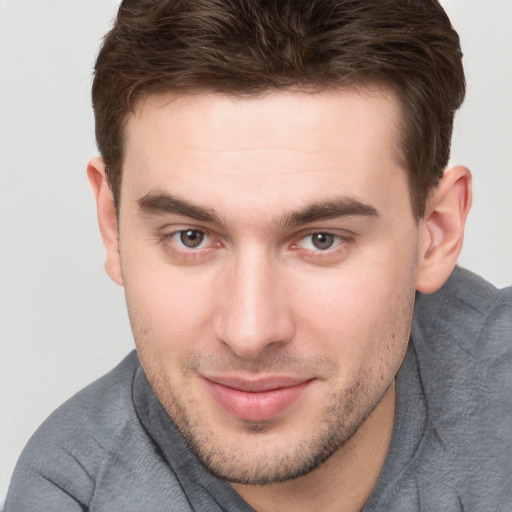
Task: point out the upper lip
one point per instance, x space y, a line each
259 384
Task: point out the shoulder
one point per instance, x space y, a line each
95 453
462 336
468 312
66 453
104 407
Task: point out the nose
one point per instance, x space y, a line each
253 310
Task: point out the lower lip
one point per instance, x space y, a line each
256 406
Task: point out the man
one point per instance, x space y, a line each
272 195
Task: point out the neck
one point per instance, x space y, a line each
342 483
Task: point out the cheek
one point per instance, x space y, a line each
169 310
361 316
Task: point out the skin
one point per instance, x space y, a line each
307 263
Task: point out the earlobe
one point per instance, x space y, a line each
107 218
443 228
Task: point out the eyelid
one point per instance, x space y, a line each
178 227
332 255
182 255
174 236
337 239
170 232
343 235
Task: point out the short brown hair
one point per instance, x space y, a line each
246 47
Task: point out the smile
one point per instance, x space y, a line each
256 400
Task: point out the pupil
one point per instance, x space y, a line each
191 238
323 240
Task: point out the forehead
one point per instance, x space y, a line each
297 111
281 144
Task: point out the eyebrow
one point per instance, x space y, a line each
331 209
161 203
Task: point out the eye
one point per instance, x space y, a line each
320 241
324 247
189 245
190 238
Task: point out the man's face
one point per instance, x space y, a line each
269 256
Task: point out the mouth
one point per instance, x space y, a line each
256 400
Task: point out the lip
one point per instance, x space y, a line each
256 400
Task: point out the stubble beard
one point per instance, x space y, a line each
337 423
258 462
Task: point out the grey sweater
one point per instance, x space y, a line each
113 448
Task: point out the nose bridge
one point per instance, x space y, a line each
253 312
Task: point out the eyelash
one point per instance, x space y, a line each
183 253
341 244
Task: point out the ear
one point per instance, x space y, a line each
107 218
443 228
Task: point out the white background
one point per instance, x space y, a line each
62 322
